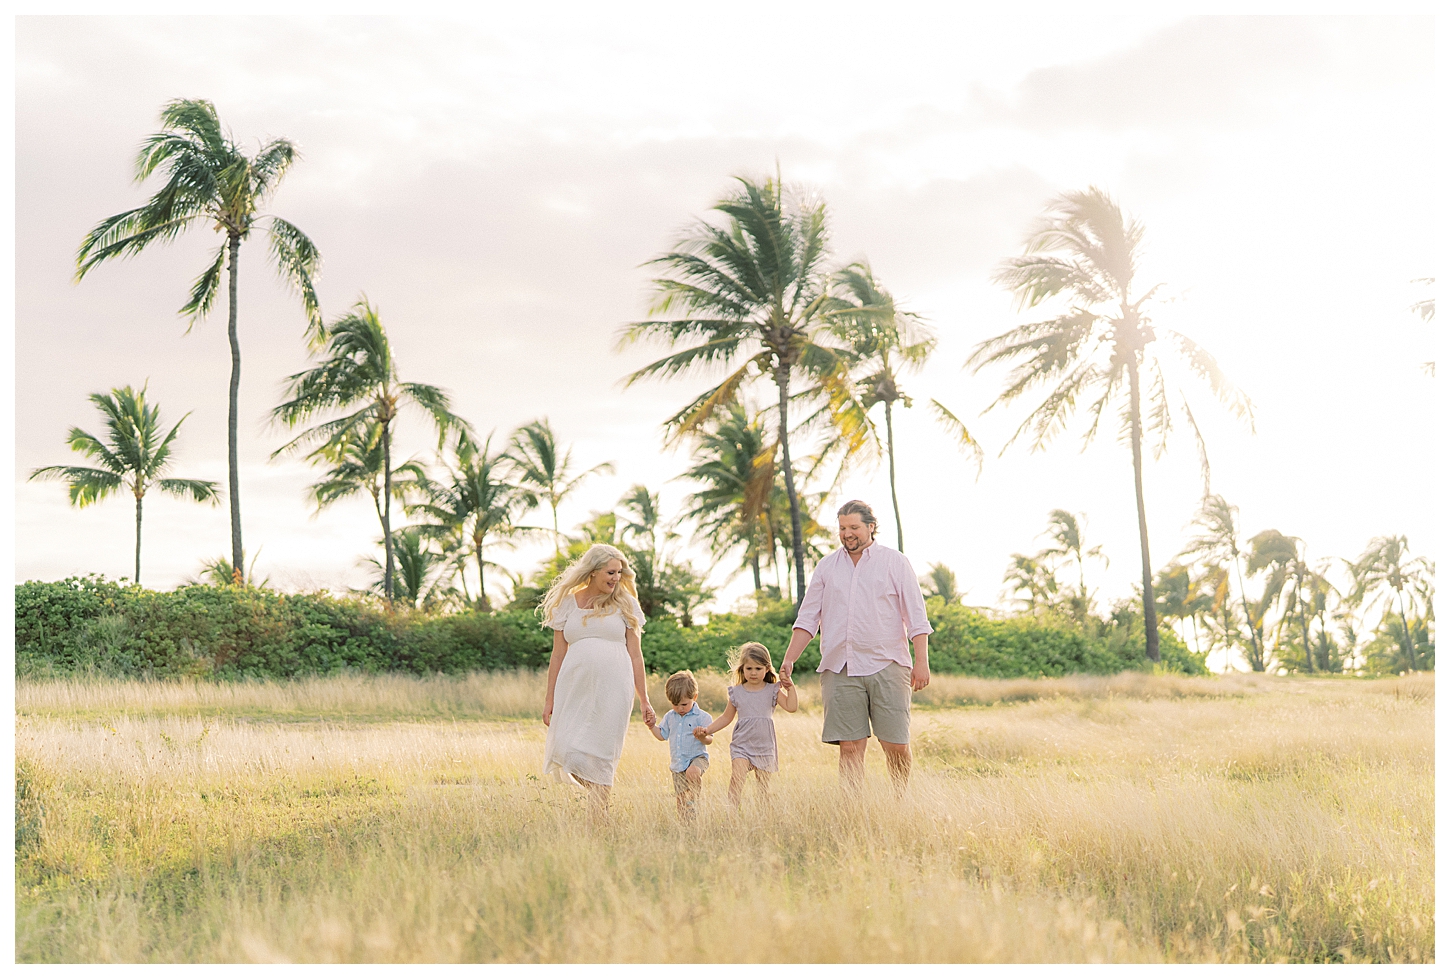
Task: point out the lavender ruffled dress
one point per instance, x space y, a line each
753 737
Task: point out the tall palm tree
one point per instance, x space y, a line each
1273 553
1027 574
751 295
210 179
735 465
1385 572
419 578
1099 346
357 375
1066 536
642 520
886 341
475 501
134 455
543 468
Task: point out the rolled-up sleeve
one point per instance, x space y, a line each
808 619
913 604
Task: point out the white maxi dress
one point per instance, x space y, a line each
593 696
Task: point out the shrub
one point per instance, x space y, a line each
85 625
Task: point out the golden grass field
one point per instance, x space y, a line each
1132 818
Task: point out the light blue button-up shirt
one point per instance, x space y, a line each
679 731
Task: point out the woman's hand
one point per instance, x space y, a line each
649 713
548 711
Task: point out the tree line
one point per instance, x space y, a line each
751 294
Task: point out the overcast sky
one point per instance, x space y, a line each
494 187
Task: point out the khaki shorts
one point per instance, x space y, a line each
860 706
682 784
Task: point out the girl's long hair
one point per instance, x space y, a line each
576 578
754 652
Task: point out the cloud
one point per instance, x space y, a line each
1221 71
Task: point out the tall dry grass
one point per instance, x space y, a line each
1113 820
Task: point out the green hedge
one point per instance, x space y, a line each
89 624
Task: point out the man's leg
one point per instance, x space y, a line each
898 763
853 764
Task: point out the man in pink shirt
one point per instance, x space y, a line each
865 602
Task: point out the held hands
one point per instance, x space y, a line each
703 735
785 681
649 713
785 671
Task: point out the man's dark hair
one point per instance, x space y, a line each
861 510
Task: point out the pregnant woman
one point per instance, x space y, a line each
595 672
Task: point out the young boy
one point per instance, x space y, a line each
688 757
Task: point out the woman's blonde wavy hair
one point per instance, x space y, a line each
576 578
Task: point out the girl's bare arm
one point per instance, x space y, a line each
788 698
721 722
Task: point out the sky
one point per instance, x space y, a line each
494 186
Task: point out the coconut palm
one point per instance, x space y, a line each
219 571
210 179
886 341
1218 542
642 521
419 577
134 454
542 468
735 465
1028 574
1273 554
1065 533
751 296
1383 574
358 376
940 581
355 461
1100 346
477 502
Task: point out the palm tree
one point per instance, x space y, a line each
210 179
886 340
940 581
1216 517
1383 573
1274 553
1087 252
1028 574
735 463
356 459
419 578
642 519
219 571
357 375
476 501
134 454
752 296
1065 533
535 453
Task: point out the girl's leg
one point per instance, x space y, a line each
739 769
762 779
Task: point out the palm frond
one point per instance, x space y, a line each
959 433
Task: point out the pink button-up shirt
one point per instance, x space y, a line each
867 613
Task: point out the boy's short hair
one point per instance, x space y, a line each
681 686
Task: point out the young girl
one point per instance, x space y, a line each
752 700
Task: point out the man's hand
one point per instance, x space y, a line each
920 677
785 681
785 672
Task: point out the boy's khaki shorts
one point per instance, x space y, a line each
859 706
682 784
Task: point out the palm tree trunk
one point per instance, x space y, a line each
1303 626
387 512
554 506
891 461
137 579
1248 619
782 383
1150 612
234 244
755 569
1409 636
482 592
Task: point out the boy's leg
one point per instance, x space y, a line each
689 797
684 796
